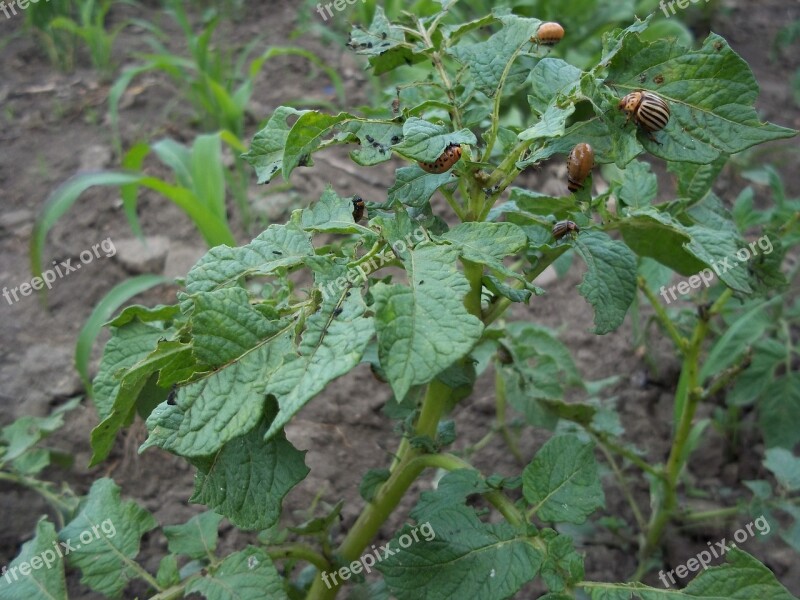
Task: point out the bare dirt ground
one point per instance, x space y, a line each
53 125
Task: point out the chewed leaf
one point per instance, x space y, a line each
710 91
424 327
425 141
266 151
610 281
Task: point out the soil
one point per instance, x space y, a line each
54 125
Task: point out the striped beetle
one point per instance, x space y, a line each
648 110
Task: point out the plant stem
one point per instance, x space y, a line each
500 415
623 484
661 314
299 551
391 492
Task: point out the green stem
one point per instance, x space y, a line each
661 314
498 95
666 509
60 507
603 440
623 484
497 498
301 552
498 308
500 415
391 492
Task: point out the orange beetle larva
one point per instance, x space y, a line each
648 110
358 208
548 34
448 158
579 165
562 228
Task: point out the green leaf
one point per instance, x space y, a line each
248 478
225 326
128 345
562 565
742 577
686 249
456 555
732 344
610 282
711 92
414 187
277 247
125 401
27 431
488 244
779 411
376 140
108 305
383 43
245 575
425 141
306 136
491 62
204 416
105 536
561 483
785 466
550 79
639 186
332 344
522 201
424 327
331 214
42 574
197 538
266 153
371 481
695 181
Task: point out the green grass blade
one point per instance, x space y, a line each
60 202
208 174
132 161
214 231
108 305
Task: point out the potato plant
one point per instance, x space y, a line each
260 330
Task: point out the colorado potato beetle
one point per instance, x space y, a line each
579 165
548 34
648 110
562 228
449 157
358 208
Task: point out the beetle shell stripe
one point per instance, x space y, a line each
449 157
648 110
561 229
579 165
